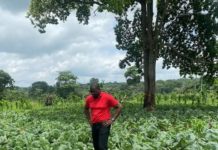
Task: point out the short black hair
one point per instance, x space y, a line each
94 87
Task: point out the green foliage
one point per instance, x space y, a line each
65 127
191 30
14 95
129 38
45 12
74 98
38 89
132 75
183 33
5 82
24 104
179 85
66 83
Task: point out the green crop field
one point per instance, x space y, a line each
63 127
158 58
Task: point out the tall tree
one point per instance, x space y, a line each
6 81
66 83
38 88
182 33
132 75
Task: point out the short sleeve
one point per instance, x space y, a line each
112 102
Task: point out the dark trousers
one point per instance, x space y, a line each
100 135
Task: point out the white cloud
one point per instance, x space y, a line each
45 68
14 6
88 51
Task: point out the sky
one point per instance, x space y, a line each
85 50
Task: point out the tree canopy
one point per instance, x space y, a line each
132 75
184 36
45 12
66 83
183 33
38 88
6 81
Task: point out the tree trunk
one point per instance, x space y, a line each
149 58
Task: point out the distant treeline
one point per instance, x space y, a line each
67 87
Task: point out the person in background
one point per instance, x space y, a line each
97 110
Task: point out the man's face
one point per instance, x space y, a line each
95 93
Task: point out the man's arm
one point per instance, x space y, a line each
118 108
117 112
87 114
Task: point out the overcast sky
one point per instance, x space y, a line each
87 51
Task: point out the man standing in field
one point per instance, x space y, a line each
97 111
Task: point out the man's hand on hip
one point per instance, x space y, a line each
107 123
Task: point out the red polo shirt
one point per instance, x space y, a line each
100 107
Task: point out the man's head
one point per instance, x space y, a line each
95 90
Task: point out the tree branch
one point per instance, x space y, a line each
184 55
90 2
190 14
159 27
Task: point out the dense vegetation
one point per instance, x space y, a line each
183 33
67 88
185 116
63 127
